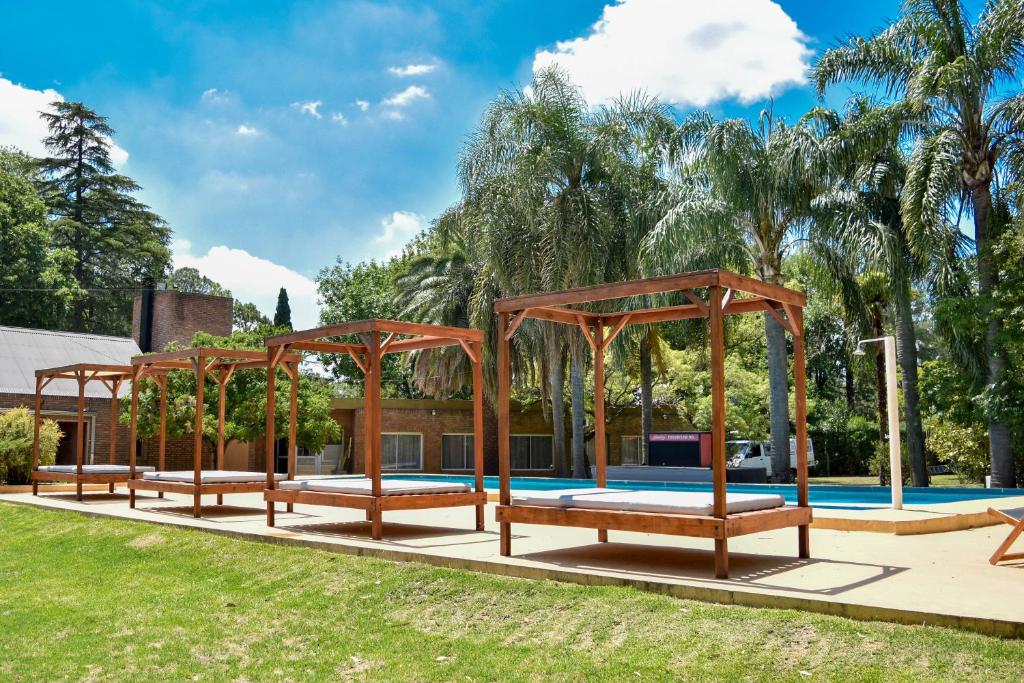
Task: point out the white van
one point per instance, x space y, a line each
759 454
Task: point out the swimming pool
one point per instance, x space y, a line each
821 496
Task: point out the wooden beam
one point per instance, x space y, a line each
327 347
516 322
272 352
696 300
767 305
749 285
647 316
615 290
360 363
504 441
566 316
392 338
726 299
620 324
718 425
474 357
800 390
587 334
420 343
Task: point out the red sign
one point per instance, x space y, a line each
676 436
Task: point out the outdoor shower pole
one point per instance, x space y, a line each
892 403
893 409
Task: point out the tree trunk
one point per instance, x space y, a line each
556 374
778 382
579 417
999 438
646 395
490 438
850 393
906 352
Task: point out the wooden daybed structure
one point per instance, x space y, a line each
718 515
113 378
371 493
221 365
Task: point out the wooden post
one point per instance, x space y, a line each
115 386
293 424
718 425
80 435
478 429
600 444
162 455
133 431
271 407
222 390
37 419
800 387
374 437
197 462
504 441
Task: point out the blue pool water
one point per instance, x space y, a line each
822 496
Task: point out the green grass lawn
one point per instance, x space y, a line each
87 598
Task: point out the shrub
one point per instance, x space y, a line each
962 447
16 439
879 465
843 444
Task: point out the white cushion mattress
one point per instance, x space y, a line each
94 469
697 503
210 476
364 486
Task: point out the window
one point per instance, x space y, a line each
401 452
456 451
531 452
632 453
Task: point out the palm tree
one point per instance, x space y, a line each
534 175
743 199
951 74
861 211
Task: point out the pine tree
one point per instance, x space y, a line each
283 314
115 240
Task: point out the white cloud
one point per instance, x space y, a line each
246 131
412 70
396 230
687 53
255 279
310 107
214 96
21 126
362 104
407 96
392 115
339 119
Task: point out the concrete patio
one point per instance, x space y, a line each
938 579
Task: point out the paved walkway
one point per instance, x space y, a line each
940 579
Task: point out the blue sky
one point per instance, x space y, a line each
275 136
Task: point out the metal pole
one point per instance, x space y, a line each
895 450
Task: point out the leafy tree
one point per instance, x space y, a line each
362 292
35 278
190 280
283 312
742 198
246 317
114 239
246 401
951 73
17 438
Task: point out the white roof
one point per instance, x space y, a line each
23 351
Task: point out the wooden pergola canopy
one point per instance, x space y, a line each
417 336
742 295
726 294
217 358
93 371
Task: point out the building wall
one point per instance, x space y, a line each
177 316
96 408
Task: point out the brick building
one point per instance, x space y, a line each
159 317
436 437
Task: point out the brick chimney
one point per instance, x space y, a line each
160 316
